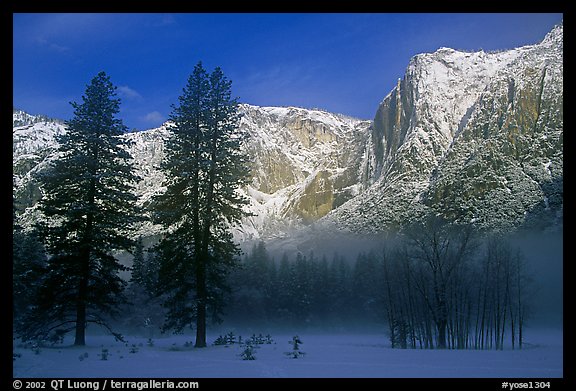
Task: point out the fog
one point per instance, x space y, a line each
247 308
544 256
541 254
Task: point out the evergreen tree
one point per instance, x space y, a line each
301 288
367 285
284 299
253 283
204 167
28 267
139 266
258 265
320 292
88 207
144 312
340 289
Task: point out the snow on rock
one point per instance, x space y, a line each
455 108
288 147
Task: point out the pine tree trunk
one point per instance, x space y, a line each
201 326
80 337
201 305
82 299
81 318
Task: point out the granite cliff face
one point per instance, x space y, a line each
475 137
305 164
505 166
33 144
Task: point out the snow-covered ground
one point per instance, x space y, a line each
327 356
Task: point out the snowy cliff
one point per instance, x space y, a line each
477 137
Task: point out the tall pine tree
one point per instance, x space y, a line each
89 206
204 167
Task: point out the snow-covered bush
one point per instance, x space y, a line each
295 353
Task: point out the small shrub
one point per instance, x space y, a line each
36 348
295 353
249 352
104 354
227 339
230 338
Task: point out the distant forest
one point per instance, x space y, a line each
438 286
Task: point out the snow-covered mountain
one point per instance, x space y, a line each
304 164
33 142
301 162
477 137
474 136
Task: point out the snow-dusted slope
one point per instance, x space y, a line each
33 142
430 115
505 166
304 164
33 133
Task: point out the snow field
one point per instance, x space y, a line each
326 356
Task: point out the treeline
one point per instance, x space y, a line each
436 286
444 288
300 290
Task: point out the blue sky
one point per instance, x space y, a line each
345 63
